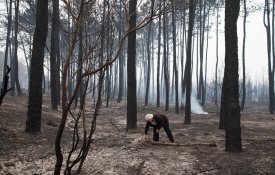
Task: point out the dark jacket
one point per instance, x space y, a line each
160 120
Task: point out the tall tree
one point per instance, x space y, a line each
175 58
121 62
9 11
148 65
182 54
230 88
33 123
222 115
15 54
202 31
270 61
158 59
192 6
54 55
243 56
165 61
131 69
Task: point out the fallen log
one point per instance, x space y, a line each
183 144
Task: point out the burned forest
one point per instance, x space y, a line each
138 87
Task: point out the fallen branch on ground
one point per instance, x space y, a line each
260 140
114 125
183 144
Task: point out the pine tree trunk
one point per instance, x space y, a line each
53 55
121 65
175 61
131 69
243 55
165 65
158 60
182 58
201 79
15 65
270 61
33 122
7 40
187 119
233 142
148 65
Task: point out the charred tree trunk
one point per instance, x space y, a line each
182 58
33 122
243 55
202 31
233 141
53 55
158 60
9 11
121 62
149 64
131 69
175 60
187 119
165 63
15 56
270 61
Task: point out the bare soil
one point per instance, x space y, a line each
117 152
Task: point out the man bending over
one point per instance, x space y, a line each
157 121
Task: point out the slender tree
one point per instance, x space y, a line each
33 123
149 64
158 59
270 61
192 6
202 31
165 61
182 55
9 11
121 62
175 58
222 115
15 56
243 56
54 54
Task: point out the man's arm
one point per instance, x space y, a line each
147 127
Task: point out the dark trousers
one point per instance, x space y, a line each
167 130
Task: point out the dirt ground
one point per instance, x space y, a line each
118 152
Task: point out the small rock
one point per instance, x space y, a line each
1 167
8 164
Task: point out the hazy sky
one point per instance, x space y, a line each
256 51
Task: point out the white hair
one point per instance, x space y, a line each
149 117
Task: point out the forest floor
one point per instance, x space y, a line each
118 152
